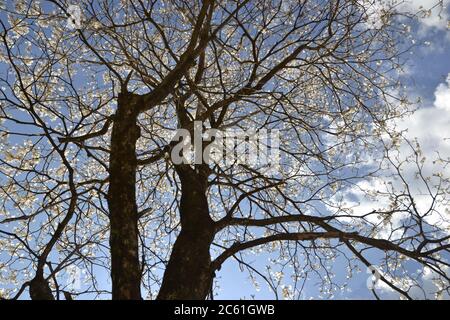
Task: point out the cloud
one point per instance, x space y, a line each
428 285
429 126
426 131
434 16
431 13
442 95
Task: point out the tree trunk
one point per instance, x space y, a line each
40 288
125 267
189 274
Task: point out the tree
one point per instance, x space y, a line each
87 154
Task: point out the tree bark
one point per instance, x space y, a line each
189 274
40 288
124 243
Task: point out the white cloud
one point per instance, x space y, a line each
430 126
431 13
428 285
437 17
443 96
